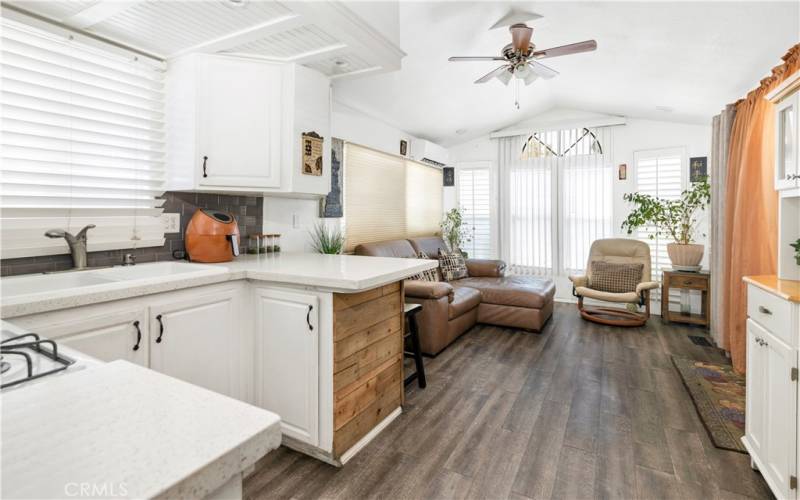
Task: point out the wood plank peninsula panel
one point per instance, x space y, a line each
367 361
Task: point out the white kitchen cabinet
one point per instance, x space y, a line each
771 434
234 125
120 332
287 336
197 339
787 172
756 412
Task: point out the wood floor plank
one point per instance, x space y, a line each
577 411
536 475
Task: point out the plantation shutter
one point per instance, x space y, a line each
82 143
474 198
388 197
659 173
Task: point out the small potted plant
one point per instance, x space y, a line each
676 219
796 246
453 230
327 240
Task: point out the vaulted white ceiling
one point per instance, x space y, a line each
691 57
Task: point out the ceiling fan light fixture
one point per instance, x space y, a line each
505 76
530 78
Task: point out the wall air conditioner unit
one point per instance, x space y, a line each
428 152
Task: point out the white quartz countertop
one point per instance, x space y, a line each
129 432
344 273
31 294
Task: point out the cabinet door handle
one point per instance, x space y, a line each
160 329
308 318
138 335
764 310
205 159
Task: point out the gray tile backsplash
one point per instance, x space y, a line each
248 211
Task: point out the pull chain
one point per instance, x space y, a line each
516 92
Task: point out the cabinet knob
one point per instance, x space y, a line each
764 310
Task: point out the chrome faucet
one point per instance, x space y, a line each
77 244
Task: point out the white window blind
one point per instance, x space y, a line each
474 188
387 197
82 143
659 173
555 198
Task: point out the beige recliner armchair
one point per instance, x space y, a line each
616 251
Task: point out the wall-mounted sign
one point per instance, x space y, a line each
698 168
332 204
312 153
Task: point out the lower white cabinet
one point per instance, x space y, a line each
287 352
120 333
771 434
196 339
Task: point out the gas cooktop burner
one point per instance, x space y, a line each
37 357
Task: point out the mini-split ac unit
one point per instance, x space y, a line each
428 152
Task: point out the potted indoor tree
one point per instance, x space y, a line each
676 219
453 230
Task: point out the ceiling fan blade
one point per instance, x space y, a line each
542 70
573 48
475 58
521 37
492 74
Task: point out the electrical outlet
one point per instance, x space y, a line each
171 222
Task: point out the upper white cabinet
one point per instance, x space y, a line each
787 135
235 125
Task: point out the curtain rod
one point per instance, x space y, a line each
46 20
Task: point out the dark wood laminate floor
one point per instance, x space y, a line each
578 411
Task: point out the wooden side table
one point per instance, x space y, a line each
700 281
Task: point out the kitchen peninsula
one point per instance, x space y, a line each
316 339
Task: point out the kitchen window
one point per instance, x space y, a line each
82 143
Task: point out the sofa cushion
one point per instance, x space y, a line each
520 291
391 248
464 300
428 274
431 245
452 265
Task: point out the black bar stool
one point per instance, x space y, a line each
411 311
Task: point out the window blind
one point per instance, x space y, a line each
555 198
659 173
474 189
82 143
387 197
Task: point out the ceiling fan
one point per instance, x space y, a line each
520 57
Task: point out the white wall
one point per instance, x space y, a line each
350 125
635 135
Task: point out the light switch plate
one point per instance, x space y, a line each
295 221
172 223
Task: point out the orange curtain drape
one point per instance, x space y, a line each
751 233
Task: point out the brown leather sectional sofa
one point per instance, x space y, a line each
486 296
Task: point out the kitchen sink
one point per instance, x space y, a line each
39 283
155 270
33 284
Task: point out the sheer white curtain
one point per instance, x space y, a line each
555 198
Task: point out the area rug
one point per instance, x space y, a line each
718 395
